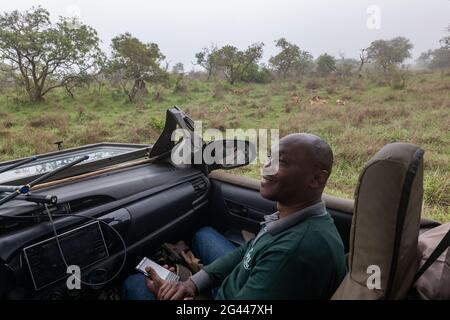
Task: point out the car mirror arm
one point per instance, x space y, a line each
174 116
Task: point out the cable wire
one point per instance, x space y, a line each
50 216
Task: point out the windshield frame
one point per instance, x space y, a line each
136 151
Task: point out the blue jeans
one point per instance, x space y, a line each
207 244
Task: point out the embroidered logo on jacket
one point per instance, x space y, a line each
247 259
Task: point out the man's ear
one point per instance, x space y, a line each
320 179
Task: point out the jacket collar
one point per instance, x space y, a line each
274 225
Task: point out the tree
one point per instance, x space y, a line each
363 59
445 41
235 63
304 65
178 73
346 66
137 63
45 55
386 53
257 74
290 59
6 78
435 59
326 64
78 82
424 59
207 58
178 69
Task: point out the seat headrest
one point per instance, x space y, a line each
385 226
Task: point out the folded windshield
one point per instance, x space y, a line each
49 163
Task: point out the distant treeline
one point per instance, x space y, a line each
38 56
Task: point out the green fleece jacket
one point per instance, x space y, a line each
303 261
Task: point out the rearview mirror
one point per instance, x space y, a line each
228 154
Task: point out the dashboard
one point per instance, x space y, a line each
101 223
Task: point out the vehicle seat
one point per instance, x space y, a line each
385 225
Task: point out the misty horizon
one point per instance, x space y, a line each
182 28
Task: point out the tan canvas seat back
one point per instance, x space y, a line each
385 226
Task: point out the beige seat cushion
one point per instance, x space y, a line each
385 226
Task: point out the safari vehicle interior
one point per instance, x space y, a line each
120 204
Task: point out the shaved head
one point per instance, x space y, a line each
305 162
319 150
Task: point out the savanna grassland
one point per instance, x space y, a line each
374 114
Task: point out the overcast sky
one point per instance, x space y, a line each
182 27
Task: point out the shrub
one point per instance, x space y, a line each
312 85
157 123
218 91
257 75
48 120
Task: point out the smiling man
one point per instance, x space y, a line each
298 254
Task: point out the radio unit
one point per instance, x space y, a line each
83 247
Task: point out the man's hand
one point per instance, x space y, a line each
169 290
154 283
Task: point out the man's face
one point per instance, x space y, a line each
294 177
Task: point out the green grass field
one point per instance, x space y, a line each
374 115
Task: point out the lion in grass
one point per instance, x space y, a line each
295 99
317 101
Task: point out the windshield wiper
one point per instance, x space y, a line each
24 190
18 164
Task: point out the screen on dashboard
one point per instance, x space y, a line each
82 247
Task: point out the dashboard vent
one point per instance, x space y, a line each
200 187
